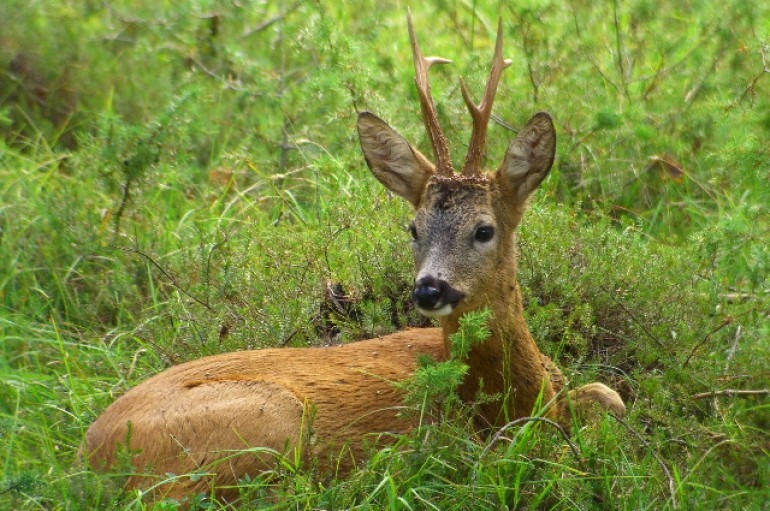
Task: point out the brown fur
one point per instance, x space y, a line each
323 402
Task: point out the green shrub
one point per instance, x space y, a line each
184 179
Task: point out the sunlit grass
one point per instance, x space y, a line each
185 180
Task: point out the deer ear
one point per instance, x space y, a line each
396 164
528 159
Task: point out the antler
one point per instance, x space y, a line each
483 111
430 117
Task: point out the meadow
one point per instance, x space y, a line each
180 179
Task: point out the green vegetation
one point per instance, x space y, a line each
183 178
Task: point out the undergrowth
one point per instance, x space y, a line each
179 180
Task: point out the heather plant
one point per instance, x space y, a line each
184 179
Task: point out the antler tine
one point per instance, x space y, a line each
483 111
430 117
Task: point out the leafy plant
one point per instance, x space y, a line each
184 179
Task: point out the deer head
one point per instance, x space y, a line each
464 225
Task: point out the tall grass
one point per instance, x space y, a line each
179 180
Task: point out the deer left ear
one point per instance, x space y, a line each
393 161
528 159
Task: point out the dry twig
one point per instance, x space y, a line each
633 317
733 348
695 348
765 70
523 420
732 393
165 273
271 21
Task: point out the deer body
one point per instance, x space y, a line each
324 403
320 403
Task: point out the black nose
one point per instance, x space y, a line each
427 292
432 293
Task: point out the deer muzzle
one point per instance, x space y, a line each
435 297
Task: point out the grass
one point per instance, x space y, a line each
184 180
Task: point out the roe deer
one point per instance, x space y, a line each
324 402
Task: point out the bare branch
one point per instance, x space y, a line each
695 348
732 393
636 320
765 70
166 274
733 348
523 420
265 24
619 50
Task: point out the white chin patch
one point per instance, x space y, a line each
436 313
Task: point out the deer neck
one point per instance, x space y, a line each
507 367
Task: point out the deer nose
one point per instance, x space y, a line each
427 292
431 293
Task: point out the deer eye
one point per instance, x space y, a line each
413 231
484 233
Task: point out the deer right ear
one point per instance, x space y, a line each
393 161
528 159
